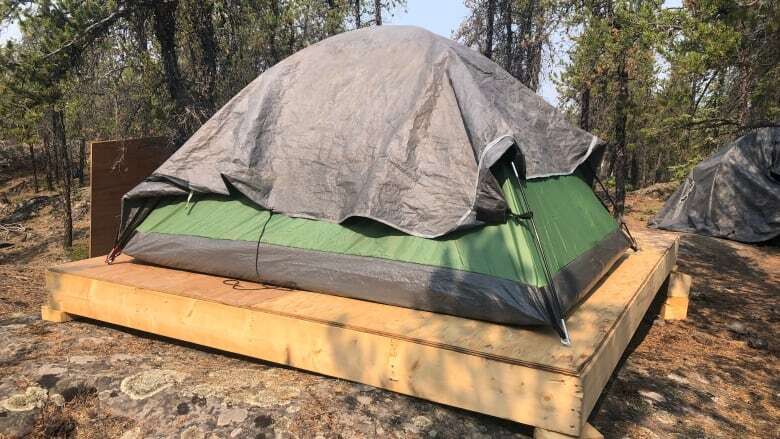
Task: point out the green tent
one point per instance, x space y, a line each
462 193
493 273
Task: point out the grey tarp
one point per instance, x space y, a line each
734 194
390 123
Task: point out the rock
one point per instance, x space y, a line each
51 369
57 399
653 396
150 382
737 328
192 432
364 399
232 415
34 397
664 417
422 422
116 358
18 424
135 433
677 378
757 343
699 378
82 359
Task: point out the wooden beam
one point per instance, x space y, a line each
52 315
676 305
588 432
598 370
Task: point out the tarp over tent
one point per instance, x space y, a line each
386 164
734 194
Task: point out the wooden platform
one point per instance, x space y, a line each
521 374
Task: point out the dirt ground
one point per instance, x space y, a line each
714 375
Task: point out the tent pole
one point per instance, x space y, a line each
565 339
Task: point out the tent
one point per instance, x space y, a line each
392 165
734 194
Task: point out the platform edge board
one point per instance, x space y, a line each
598 370
63 270
518 393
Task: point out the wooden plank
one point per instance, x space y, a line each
676 305
117 166
522 374
596 372
588 432
679 285
52 315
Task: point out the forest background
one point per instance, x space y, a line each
663 86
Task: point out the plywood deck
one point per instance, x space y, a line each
521 374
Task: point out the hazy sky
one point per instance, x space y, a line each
441 17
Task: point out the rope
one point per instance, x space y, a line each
622 224
236 283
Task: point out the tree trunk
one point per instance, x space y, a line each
621 101
61 157
491 12
506 13
585 108
202 15
49 163
274 49
357 13
378 12
82 160
34 167
165 32
744 88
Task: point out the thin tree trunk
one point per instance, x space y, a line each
508 36
621 116
61 157
357 13
203 22
165 32
491 12
49 165
34 167
585 108
82 160
378 12
744 88
276 14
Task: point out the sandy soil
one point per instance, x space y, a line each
714 375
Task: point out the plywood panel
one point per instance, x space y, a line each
117 166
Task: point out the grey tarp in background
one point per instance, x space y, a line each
391 123
734 194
